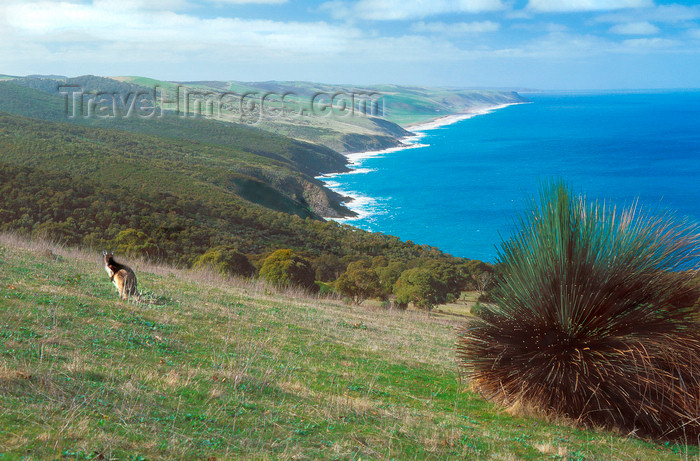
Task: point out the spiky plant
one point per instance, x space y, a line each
591 319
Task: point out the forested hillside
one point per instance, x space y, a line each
171 199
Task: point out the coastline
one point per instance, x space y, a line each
454 118
358 202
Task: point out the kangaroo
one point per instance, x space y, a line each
122 277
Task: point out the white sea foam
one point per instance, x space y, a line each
360 170
363 205
409 142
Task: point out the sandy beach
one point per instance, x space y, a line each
454 118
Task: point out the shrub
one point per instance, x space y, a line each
420 287
132 242
359 282
591 319
388 275
285 268
450 273
227 260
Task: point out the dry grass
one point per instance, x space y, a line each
235 369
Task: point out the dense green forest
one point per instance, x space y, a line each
276 183
77 210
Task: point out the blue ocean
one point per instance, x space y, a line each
463 189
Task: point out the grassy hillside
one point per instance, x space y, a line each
306 116
354 133
402 105
227 369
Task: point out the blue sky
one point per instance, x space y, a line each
547 44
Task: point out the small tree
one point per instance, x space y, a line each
227 260
450 274
328 267
285 268
482 281
420 287
388 275
359 282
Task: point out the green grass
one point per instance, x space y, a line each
230 369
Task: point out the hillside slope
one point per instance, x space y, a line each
355 130
185 107
221 369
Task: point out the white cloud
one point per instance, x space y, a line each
137 5
634 28
661 13
647 44
244 2
456 28
562 6
167 39
99 38
104 22
539 27
561 45
387 10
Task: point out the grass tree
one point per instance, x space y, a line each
591 319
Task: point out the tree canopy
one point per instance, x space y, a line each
285 268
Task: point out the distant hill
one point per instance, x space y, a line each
49 76
346 118
46 103
399 107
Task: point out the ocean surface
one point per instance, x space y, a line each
463 188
